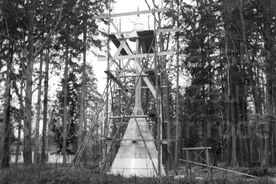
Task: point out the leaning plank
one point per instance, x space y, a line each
219 168
147 81
111 76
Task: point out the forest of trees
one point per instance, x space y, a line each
226 54
41 41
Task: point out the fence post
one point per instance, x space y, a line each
208 163
187 163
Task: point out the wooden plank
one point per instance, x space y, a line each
148 83
111 76
125 76
120 117
119 50
168 30
119 43
126 64
127 33
208 164
123 70
187 163
133 88
127 48
133 70
197 148
198 156
126 123
134 56
219 168
147 140
131 13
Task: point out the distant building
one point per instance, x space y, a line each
51 156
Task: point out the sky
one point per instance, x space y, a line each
120 6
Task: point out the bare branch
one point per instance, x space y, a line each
146 1
155 7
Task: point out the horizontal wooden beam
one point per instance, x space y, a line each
133 88
126 123
164 141
158 31
134 56
145 70
131 13
125 76
197 148
164 30
120 117
143 87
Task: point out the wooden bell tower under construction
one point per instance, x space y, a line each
139 152
136 126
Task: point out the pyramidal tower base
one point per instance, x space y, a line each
136 157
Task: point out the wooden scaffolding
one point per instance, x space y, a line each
125 67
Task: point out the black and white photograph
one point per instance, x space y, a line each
138 91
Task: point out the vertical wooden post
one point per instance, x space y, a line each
187 163
158 122
177 126
208 163
138 93
105 126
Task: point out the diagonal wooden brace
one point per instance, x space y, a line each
147 81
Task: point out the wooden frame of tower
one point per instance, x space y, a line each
119 70
140 67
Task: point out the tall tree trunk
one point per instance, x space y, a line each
82 123
233 135
5 160
254 74
17 151
20 122
65 108
227 90
238 120
27 150
45 98
38 110
45 109
269 42
244 50
177 128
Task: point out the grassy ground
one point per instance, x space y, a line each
58 175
